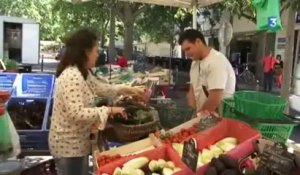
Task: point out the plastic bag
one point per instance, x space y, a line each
5 141
268 15
12 142
15 139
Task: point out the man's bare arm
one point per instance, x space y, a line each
214 100
191 98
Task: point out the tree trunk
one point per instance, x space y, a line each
288 55
128 30
128 39
103 33
262 42
112 34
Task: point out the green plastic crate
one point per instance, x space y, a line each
171 116
277 130
259 104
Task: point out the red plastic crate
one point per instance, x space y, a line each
244 133
165 152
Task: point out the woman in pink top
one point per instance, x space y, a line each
269 63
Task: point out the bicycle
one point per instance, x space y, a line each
246 79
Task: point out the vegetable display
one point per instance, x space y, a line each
207 122
143 166
137 113
179 137
104 159
207 154
169 137
224 165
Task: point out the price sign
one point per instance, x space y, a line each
190 154
272 22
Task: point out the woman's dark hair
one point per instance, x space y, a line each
77 46
278 57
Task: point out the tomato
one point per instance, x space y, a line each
104 159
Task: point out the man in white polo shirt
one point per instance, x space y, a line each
212 76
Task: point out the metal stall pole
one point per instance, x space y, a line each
42 64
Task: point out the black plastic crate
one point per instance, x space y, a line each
29 117
45 168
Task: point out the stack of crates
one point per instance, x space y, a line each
32 92
262 111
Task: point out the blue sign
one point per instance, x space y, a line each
298 18
272 22
281 40
35 85
7 80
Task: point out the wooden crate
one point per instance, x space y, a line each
130 149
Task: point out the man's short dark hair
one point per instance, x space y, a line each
191 35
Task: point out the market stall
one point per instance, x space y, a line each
157 138
209 144
248 137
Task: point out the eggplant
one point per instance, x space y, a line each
211 171
229 162
230 172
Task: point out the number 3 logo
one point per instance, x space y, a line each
272 22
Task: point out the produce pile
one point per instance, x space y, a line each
213 147
104 159
143 166
28 115
207 122
141 64
214 151
181 136
137 113
224 165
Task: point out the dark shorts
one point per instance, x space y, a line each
72 166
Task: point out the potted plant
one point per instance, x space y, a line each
11 65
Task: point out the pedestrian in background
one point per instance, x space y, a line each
269 63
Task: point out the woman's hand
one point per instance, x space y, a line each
138 93
118 110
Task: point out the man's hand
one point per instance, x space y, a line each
213 101
191 98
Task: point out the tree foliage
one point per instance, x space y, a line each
91 14
162 24
157 24
128 13
136 21
39 10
